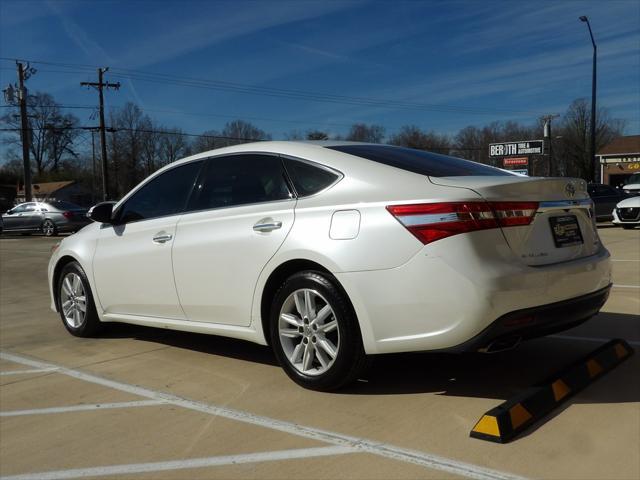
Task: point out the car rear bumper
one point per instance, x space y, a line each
449 294
535 322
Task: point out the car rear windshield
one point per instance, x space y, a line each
418 161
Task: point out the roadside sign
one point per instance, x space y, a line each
510 149
515 161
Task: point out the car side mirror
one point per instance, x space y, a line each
101 212
9 212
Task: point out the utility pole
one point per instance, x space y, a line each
548 140
100 85
93 167
24 74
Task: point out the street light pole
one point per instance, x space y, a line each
594 168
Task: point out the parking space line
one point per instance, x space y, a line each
185 464
617 285
624 260
592 339
31 370
82 408
427 460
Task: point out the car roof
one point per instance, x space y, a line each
308 150
313 151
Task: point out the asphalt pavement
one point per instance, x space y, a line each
147 403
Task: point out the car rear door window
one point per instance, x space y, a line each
235 180
166 194
309 179
419 161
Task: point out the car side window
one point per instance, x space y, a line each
234 180
166 194
24 208
309 179
18 209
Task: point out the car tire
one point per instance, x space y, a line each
49 228
315 333
73 294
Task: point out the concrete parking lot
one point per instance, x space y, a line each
145 403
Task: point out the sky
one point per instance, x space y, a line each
300 65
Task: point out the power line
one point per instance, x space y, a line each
284 93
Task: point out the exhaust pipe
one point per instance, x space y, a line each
501 344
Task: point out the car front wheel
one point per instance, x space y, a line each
75 301
315 333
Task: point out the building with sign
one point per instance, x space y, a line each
69 191
619 160
515 155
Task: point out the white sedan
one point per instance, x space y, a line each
331 252
627 212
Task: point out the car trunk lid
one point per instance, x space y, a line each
563 227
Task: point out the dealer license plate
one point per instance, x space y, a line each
566 231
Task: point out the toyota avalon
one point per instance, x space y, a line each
333 252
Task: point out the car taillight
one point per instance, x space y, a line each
67 215
429 222
512 214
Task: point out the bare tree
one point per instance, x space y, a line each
572 148
469 143
411 136
52 132
361 132
126 146
151 150
317 135
173 145
207 141
240 131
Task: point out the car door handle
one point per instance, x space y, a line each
267 225
162 238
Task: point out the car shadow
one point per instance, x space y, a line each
499 375
197 342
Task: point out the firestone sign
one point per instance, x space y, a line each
515 161
508 149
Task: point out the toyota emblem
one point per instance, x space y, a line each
570 190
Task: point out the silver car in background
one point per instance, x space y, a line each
48 218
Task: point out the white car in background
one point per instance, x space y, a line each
627 212
632 185
331 252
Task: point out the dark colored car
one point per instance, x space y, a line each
605 198
48 218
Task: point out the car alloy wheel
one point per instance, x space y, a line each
73 300
49 228
308 331
315 333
